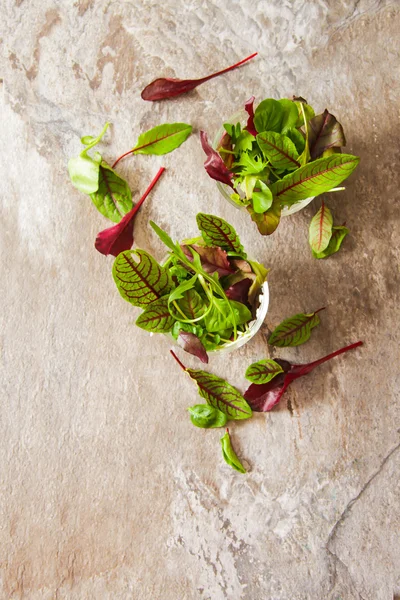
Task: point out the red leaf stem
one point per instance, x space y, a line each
178 361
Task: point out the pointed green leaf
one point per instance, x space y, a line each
220 394
113 197
262 200
320 231
179 291
205 416
217 232
156 317
295 330
263 371
325 132
314 178
279 149
230 455
338 235
267 222
162 139
275 115
140 283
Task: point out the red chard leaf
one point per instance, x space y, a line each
261 398
213 259
250 121
214 165
324 132
240 291
163 88
119 238
190 343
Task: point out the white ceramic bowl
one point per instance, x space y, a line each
226 191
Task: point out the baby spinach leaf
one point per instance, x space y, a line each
338 235
217 232
279 149
308 111
262 199
214 165
295 330
218 393
267 222
84 174
314 178
162 139
230 455
325 132
190 343
297 138
156 317
206 416
263 371
113 197
220 316
275 115
320 231
140 283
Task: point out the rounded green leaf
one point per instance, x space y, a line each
295 330
262 199
263 371
320 231
217 232
156 317
221 395
140 283
267 222
206 417
84 174
113 196
162 139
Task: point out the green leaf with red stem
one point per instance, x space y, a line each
218 393
295 330
325 132
263 371
118 238
217 232
320 231
163 88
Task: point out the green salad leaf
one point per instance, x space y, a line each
229 455
206 417
162 139
295 330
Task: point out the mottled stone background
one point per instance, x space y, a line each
107 491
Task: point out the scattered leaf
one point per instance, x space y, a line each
205 416
320 231
162 139
338 235
263 371
295 330
230 455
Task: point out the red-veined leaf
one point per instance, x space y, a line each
295 330
325 132
156 317
190 343
279 149
263 371
217 232
214 165
338 235
320 231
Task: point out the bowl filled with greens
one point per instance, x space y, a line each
206 294
272 161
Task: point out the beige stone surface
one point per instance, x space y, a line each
107 491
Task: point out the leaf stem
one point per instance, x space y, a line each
229 68
178 361
150 187
320 361
121 157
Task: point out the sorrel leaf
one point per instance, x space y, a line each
249 108
338 235
263 371
320 231
263 397
267 222
162 139
118 238
192 304
217 232
214 165
263 198
140 283
325 132
190 343
279 149
113 197
205 416
230 455
163 88
213 259
314 178
295 330
156 317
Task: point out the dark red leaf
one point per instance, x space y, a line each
163 88
118 238
214 165
213 259
324 132
262 398
192 344
240 291
250 121
226 144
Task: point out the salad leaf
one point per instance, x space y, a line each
214 165
156 317
275 115
267 222
263 371
162 139
295 330
190 343
140 283
206 416
220 316
338 235
314 178
113 196
192 304
249 107
308 111
217 232
279 150
84 170
239 291
325 132
320 231
263 198
213 259
261 275
230 455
